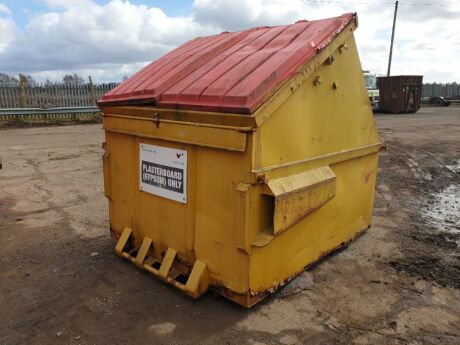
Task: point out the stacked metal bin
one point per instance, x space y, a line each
400 94
236 160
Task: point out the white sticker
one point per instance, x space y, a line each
163 172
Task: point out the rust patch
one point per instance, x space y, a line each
367 176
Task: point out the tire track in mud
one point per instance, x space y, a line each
430 244
40 181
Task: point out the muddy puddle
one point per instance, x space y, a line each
440 204
443 210
455 167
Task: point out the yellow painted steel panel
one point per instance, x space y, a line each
298 195
318 119
331 226
218 137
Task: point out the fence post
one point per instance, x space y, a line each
22 91
92 91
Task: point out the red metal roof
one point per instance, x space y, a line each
229 72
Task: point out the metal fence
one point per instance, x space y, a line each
450 90
61 95
52 96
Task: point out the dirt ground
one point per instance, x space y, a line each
61 283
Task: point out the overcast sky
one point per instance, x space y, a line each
113 38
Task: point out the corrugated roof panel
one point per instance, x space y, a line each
191 87
279 66
161 74
189 62
230 72
153 67
217 91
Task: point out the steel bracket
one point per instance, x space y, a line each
197 281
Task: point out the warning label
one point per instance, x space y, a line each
163 176
163 171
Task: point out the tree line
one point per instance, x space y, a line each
28 81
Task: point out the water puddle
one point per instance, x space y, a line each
443 212
455 168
